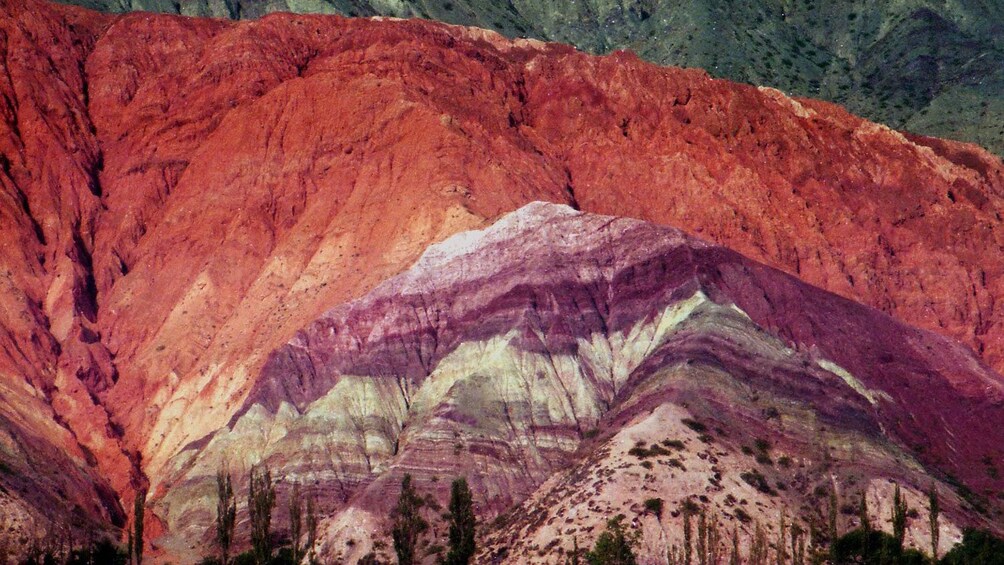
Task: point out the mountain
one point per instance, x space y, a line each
500 351
182 196
930 67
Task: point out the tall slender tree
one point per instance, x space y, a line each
832 532
226 513
782 556
462 524
408 523
261 502
759 547
296 520
899 511
702 538
311 529
934 510
735 557
139 505
866 523
688 535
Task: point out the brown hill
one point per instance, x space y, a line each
180 196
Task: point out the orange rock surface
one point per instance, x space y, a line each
181 195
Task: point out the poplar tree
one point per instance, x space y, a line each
934 510
899 511
295 520
311 529
866 524
408 524
226 513
462 524
261 502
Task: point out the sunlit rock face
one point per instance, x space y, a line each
505 355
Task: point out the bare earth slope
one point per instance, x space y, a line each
180 196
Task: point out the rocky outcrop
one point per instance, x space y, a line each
500 351
181 196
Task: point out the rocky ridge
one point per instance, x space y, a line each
928 67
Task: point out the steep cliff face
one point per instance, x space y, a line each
181 196
501 350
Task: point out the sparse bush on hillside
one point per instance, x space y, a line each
654 505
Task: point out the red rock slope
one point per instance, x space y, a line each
179 196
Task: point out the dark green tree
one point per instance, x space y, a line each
296 521
226 514
866 523
613 547
688 535
977 546
874 547
462 524
408 523
311 528
831 529
261 502
137 521
934 510
899 511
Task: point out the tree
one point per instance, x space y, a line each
311 529
866 524
782 556
296 521
688 535
137 521
832 523
758 549
874 547
573 556
735 557
261 502
934 509
408 523
462 524
613 547
899 511
977 546
226 513
702 538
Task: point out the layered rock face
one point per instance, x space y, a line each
181 196
501 350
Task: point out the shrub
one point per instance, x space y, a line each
694 425
756 480
654 505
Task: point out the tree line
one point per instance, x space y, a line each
796 544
